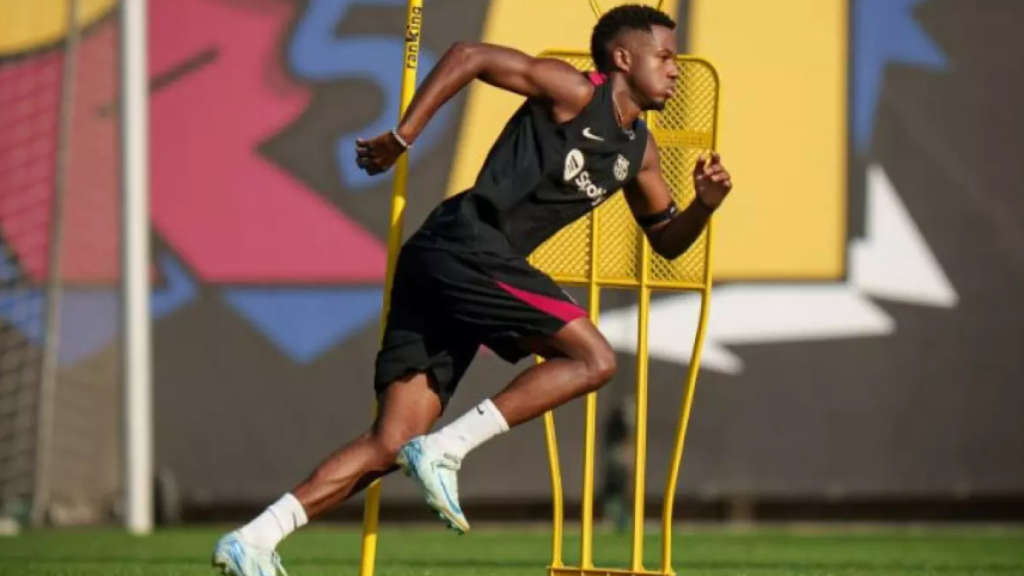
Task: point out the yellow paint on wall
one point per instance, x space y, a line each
783 134
27 25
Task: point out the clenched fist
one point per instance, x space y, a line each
711 180
378 154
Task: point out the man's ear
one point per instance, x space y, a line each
621 57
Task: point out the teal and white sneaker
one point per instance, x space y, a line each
434 471
233 557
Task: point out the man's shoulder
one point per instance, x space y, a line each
575 94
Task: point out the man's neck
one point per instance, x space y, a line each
627 108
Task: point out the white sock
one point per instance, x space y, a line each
275 523
470 430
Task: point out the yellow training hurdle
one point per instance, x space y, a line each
606 249
602 250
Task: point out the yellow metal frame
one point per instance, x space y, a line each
594 281
596 278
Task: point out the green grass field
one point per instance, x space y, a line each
511 551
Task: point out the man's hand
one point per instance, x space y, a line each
378 154
711 181
649 195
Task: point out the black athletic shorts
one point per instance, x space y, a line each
446 304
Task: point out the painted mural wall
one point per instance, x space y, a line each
865 331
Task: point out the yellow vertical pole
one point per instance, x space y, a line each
640 455
557 500
590 426
677 452
684 415
410 65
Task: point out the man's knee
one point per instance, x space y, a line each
387 442
601 365
583 342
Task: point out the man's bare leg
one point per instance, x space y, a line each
578 360
407 408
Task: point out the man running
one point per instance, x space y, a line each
463 279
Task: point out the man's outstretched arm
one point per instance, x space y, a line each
671 232
555 81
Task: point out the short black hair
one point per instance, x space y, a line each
618 20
